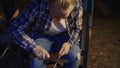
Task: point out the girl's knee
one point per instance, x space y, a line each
74 53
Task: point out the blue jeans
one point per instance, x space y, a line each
53 44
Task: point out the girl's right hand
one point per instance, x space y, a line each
41 53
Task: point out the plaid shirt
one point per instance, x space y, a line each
39 12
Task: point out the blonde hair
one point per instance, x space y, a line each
62 4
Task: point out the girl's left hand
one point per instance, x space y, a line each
65 49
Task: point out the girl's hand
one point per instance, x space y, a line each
65 49
41 53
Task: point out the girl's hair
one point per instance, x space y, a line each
62 4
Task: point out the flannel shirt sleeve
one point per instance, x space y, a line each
77 19
20 23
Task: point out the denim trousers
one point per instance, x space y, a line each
54 44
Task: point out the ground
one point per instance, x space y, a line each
104 49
